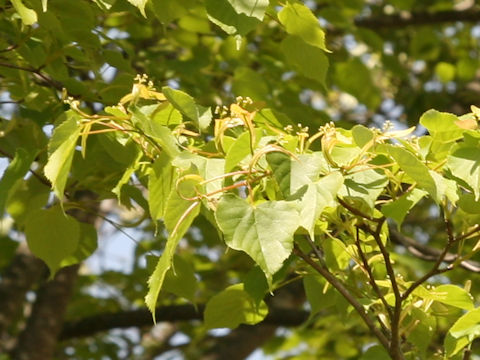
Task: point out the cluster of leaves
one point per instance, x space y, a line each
315 204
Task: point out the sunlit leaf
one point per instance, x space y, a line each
441 126
308 60
463 332
300 21
184 103
265 232
140 4
159 186
61 149
464 163
28 16
179 215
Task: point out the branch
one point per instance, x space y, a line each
417 18
142 317
436 267
430 254
44 78
16 280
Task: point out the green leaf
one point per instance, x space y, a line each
60 150
140 4
464 163
223 14
317 197
318 295
142 117
52 236
446 188
255 284
265 232
160 183
167 115
179 215
246 82
399 208
376 352
86 246
307 169
240 149
117 190
468 204
180 279
280 164
362 135
454 296
17 168
25 197
445 71
442 126
421 336
463 332
447 294
300 21
251 8
202 116
232 307
364 187
416 169
308 60
28 16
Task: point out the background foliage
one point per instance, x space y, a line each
329 203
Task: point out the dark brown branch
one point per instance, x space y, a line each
138 318
427 253
358 212
435 270
346 294
39 338
17 279
42 77
417 18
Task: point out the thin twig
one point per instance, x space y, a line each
37 72
435 270
358 212
397 310
371 278
431 254
467 234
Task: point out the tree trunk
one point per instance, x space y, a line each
24 271
39 338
